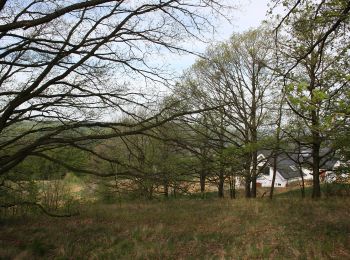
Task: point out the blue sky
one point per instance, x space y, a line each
250 13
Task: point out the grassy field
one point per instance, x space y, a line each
187 229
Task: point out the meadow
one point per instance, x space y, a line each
285 228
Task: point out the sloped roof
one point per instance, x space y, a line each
288 167
327 162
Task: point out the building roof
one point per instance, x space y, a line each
287 165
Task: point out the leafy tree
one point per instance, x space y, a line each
316 71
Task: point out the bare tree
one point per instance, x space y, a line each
236 75
72 71
68 67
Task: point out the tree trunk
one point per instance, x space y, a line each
254 172
316 139
166 189
253 131
222 169
316 189
221 183
273 175
253 190
247 177
247 186
302 182
232 187
202 178
150 193
316 144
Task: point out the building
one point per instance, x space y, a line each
291 169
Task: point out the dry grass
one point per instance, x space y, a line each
187 229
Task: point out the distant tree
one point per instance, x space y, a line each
146 165
236 75
193 133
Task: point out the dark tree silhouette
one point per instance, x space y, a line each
68 67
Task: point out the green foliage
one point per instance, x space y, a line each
336 189
37 168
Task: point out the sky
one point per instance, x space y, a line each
249 14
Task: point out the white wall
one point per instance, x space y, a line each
308 175
266 180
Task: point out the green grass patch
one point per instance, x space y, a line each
327 189
187 229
